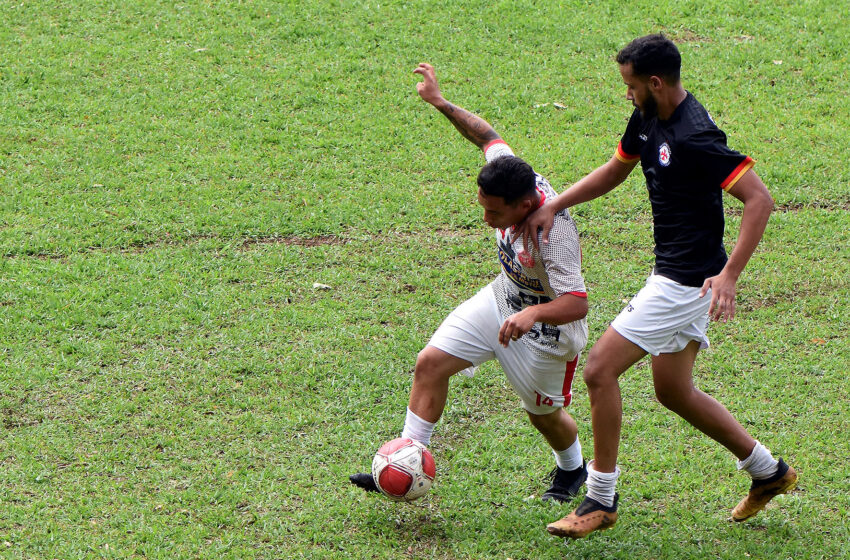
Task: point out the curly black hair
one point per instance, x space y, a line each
653 55
508 177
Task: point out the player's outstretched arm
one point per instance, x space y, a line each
474 128
758 204
598 182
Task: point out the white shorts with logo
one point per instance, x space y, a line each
471 332
665 316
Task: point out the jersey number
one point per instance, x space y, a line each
545 401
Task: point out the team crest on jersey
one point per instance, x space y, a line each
664 154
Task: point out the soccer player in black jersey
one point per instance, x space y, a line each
687 166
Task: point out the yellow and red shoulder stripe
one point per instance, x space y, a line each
623 156
737 173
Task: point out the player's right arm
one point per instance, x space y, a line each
563 309
471 126
598 182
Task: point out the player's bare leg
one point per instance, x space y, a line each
674 388
561 432
430 390
608 359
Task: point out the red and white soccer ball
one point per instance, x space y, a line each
403 469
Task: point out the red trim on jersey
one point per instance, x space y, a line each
737 173
578 294
491 143
542 198
567 389
623 156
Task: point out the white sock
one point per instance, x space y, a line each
760 464
417 428
600 486
570 458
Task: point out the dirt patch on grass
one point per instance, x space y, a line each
295 240
40 255
817 205
329 239
143 245
12 419
793 207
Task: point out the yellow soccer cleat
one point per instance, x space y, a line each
589 516
762 491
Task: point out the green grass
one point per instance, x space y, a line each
175 178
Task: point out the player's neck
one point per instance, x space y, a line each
673 98
536 202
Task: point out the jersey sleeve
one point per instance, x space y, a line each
562 258
722 165
496 149
628 150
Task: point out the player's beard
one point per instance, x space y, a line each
649 108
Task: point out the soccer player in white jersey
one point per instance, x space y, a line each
531 318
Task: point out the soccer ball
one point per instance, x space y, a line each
403 469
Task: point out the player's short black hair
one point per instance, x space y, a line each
508 177
653 55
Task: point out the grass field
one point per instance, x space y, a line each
176 177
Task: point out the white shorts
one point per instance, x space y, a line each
665 316
471 332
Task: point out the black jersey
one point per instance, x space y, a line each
687 166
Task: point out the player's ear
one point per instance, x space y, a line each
655 83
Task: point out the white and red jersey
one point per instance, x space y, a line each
531 279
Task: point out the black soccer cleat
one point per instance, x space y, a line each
565 484
365 481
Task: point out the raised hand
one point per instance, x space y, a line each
428 89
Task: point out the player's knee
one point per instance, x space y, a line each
428 366
424 364
664 397
671 398
594 375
